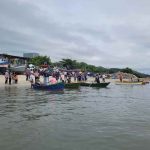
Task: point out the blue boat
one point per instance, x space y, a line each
52 87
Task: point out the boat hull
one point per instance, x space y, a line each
100 85
72 85
52 87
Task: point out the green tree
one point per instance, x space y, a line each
82 66
40 60
69 64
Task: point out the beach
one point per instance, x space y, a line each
22 81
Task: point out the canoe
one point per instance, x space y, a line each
145 82
129 83
52 87
72 85
101 85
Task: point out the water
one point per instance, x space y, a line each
113 118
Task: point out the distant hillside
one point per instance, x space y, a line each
129 70
113 70
140 75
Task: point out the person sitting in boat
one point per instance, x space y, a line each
97 78
53 80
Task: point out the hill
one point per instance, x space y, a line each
129 70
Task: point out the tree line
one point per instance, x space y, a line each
70 64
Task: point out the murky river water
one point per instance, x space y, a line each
113 118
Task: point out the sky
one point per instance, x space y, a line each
110 33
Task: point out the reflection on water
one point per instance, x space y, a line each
116 118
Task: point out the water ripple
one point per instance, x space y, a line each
111 118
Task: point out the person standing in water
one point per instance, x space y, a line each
120 77
6 77
10 77
15 78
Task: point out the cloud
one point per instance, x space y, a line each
103 33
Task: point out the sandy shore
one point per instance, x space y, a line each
22 81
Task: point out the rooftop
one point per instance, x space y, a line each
13 56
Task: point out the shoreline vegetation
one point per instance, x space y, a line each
70 64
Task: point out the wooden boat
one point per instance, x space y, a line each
101 85
72 85
145 82
52 87
129 83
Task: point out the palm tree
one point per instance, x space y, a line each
69 64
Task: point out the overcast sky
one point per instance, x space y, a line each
110 33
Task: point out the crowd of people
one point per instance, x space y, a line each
52 77
99 76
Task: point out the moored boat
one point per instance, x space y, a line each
72 85
129 83
101 85
145 82
51 87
